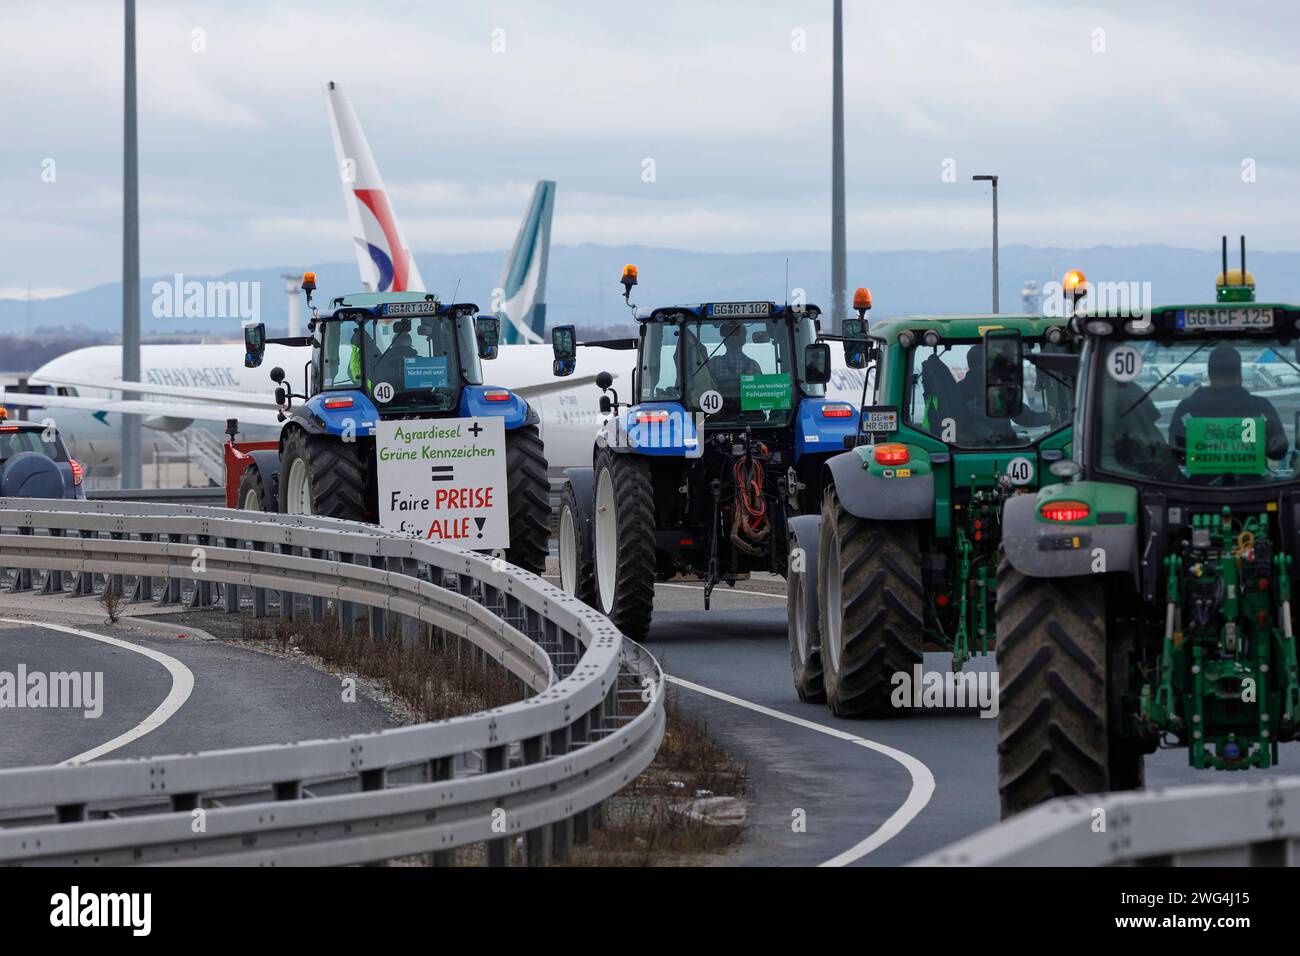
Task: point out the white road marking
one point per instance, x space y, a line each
917 798
693 587
182 686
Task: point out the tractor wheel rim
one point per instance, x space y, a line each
252 502
606 541
299 489
568 553
832 627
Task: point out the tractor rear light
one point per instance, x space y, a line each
1065 510
892 453
338 403
837 410
498 395
650 418
8 428
77 471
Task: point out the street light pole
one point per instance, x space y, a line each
839 266
131 466
994 181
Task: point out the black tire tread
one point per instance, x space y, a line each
586 566
882 609
1052 717
337 479
800 589
528 489
634 590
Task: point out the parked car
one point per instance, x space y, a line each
34 462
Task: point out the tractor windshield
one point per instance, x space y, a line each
748 362
1204 411
947 397
415 364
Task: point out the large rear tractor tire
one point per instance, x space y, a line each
320 475
529 492
870 608
253 494
577 569
623 528
801 609
1053 738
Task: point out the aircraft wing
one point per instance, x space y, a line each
199 412
557 385
223 396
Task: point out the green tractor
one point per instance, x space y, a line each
904 552
1145 601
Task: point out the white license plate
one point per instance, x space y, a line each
1237 318
879 421
740 310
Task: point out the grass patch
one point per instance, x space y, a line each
434 678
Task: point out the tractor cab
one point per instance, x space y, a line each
389 355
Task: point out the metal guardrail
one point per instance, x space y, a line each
215 497
538 768
1248 824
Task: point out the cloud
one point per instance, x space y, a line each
1108 122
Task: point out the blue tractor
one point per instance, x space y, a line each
382 356
721 443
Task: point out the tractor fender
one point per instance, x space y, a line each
1042 549
268 473
583 483
865 495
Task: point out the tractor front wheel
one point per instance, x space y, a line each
577 570
869 605
252 494
624 532
801 609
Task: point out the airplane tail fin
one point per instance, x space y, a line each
521 299
383 256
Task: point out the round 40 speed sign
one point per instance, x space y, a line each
1020 470
711 402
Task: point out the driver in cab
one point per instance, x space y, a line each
1225 397
727 367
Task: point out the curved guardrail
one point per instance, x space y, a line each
538 768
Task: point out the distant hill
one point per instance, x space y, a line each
583 284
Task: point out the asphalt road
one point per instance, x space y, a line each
163 694
847 790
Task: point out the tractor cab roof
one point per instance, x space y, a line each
718 311
1225 319
962 326
394 305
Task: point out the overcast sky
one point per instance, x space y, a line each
1111 123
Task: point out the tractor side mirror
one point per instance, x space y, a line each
1004 373
605 405
488 333
604 380
817 363
254 344
564 346
855 352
